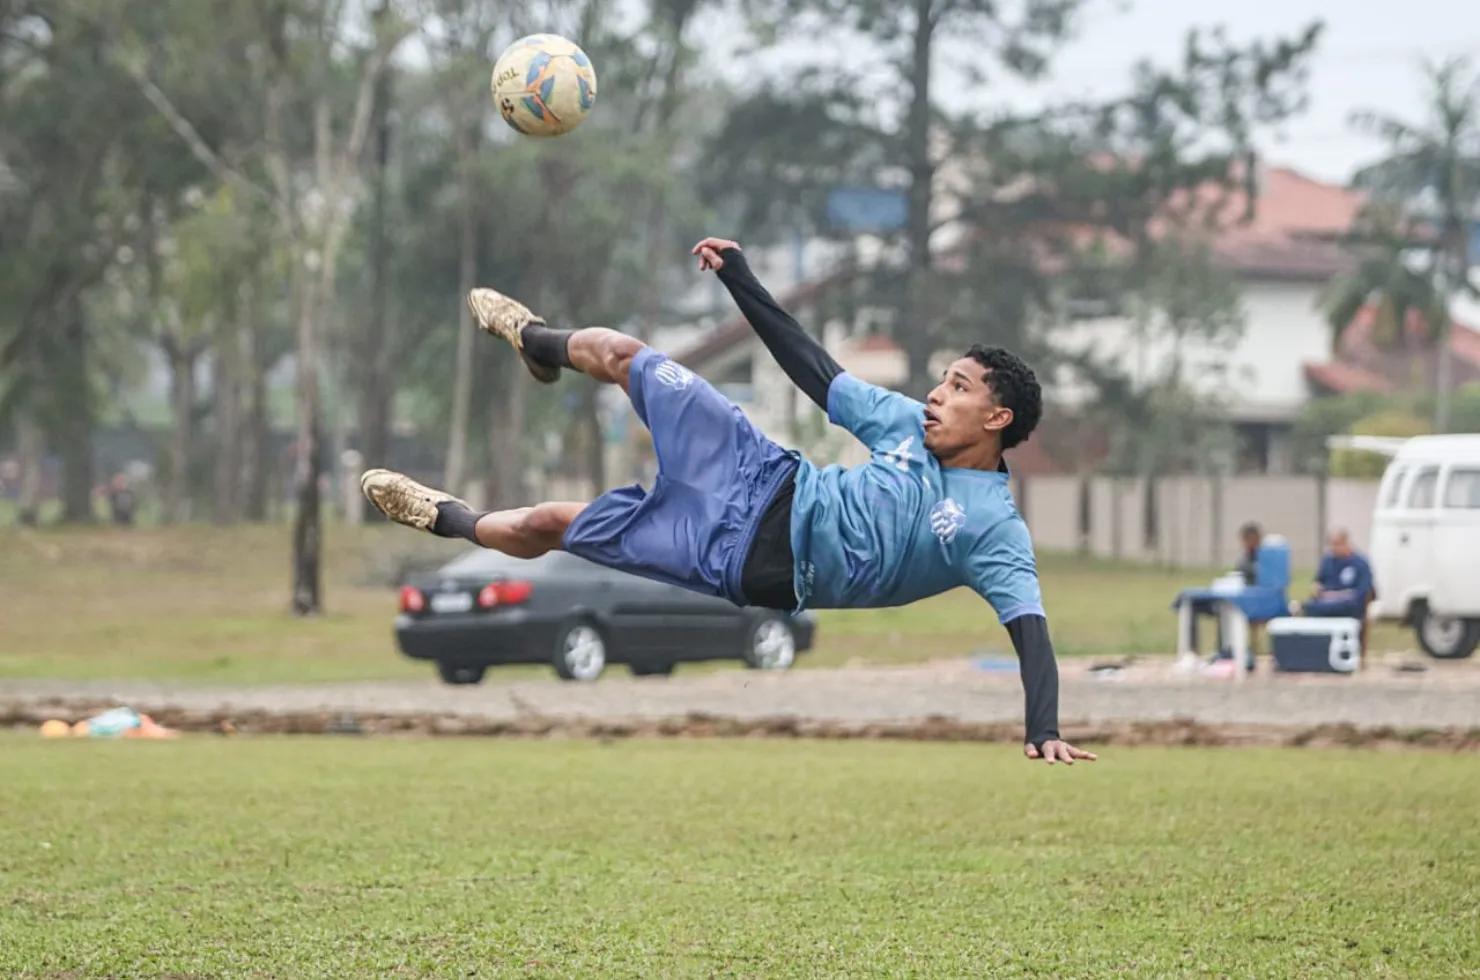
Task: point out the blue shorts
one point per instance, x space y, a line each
716 474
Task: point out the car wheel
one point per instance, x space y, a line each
580 652
460 674
772 646
652 669
1447 637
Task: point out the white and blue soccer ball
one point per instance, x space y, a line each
544 85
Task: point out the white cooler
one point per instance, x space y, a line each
1316 644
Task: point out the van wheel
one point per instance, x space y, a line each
1447 637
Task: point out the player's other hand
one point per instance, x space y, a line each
708 251
1057 751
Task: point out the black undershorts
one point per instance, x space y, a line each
768 577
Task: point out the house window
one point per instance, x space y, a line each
1253 447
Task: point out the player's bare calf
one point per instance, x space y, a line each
525 532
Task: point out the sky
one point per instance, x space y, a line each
1368 58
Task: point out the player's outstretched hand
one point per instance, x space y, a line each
708 251
1057 751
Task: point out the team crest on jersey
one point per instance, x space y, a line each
675 376
900 454
946 519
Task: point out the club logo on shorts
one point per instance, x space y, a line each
675 376
946 519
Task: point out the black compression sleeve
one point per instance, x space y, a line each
1040 674
805 361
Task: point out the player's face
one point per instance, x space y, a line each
962 411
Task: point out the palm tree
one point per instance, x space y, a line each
1393 273
1433 172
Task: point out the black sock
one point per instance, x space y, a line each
456 520
547 344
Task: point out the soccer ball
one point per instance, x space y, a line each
544 85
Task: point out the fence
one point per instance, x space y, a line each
1191 522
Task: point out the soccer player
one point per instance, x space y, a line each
734 515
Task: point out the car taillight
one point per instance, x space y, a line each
412 601
503 594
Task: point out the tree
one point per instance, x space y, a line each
460 34
1035 185
1432 171
1164 412
1399 277
1116 206
299 57
584 205
791 143
67 163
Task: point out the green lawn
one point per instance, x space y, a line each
289 858
209 605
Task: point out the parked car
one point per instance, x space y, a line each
1425 552
485 608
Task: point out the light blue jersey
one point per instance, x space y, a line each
900 527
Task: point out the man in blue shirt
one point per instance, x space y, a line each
732 514
1343 581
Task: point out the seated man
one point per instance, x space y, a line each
1249 537
1342 582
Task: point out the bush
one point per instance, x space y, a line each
1358 465
1331 415
1464 408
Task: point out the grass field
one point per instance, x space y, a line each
335 858
209 605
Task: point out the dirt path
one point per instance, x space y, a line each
1149 701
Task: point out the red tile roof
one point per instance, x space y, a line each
1356 340
1294 232
1340 378
1360 366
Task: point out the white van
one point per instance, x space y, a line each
1425 550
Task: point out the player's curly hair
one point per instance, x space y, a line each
1015 386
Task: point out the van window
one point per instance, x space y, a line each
1421 493
1462 491
1395 476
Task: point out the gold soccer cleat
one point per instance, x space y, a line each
402 499
506 318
